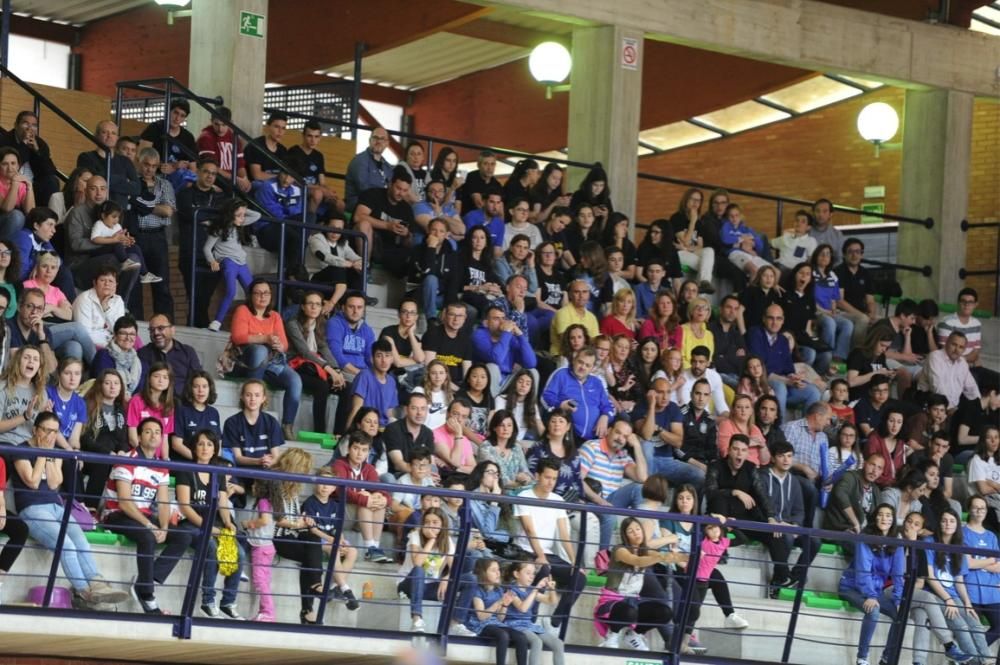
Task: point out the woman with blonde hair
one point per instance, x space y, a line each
621 320
22 395
58 308
695 331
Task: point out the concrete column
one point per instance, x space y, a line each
604 102
227 63
937 141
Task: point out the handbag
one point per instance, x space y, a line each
230 358
81 515
306 366
227 552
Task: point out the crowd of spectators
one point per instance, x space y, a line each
540 351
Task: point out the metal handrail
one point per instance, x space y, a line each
966 225
39 100
281 280
926 222
183 623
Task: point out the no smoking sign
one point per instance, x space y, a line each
630 53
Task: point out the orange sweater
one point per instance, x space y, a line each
245 324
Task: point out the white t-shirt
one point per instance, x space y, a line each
544 520
102 230
980 469
411 499
437 408
433 563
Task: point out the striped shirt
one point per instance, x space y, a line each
807 444
972 329
145 481
597 461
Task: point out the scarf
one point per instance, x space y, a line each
126 362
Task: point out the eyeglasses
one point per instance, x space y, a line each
127 335
5 254
34 308
261 293
491 472
966 301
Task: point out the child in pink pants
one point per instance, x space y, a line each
260 534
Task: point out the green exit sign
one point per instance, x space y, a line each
251 25
643 662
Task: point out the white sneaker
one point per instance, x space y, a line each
131 264
861 661
612 641
460 630
150 278
215 326
418 625
634 640
735 621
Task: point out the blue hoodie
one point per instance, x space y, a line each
591 398
869 572
508 350
350 345
280 202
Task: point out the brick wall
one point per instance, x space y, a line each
984 199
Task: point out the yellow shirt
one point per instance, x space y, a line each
690 341
564 318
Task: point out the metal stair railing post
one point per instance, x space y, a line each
688 594
182 627
455 574
796 604
63 527
904 606
338 535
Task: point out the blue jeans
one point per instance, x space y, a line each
870 620
786 394
231 273
678 472
418 588
71 339
431 298
281 376
231 585
818 361
970 635
836 332
77 561
626 496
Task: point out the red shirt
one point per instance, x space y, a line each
611 326
342 469
211 144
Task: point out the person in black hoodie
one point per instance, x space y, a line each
659 244
594 191
434 267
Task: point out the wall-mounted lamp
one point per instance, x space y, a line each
550 63
878 123
175 9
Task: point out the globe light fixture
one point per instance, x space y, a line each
550 63
878 123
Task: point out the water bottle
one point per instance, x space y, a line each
367 591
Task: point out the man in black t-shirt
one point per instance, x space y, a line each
180 151
403 436
859 289
387 219
322 200
450 343
479 184
259 152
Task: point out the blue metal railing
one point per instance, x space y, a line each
281 279
182 624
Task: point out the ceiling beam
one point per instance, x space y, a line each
808 34
503 33
47 30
